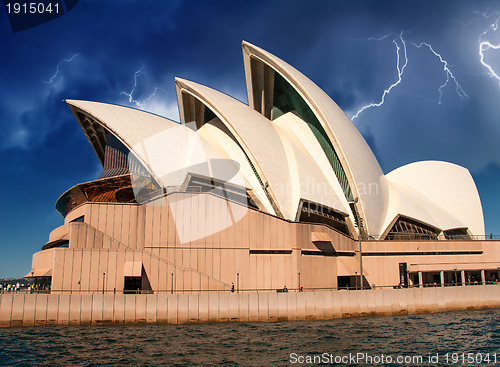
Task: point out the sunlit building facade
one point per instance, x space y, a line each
281 191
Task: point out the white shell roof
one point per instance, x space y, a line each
226 146
312 176
365 175
255 134
129 125
447 193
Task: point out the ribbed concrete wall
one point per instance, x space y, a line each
63 309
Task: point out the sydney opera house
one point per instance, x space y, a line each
275 193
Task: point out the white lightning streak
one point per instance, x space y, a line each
400 69
486 45
449 74
138 102
51 80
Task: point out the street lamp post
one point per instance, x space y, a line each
237 281
300 290
103 279
360 253
33 280
360 235
356 278
172 288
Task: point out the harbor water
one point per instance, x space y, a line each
452 338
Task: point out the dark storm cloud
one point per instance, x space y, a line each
44 151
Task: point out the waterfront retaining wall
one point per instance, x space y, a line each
64 309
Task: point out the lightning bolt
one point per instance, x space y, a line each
138 102
400 67
449 74
51 80
486 45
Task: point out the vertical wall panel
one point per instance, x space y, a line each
172 309
110 219
94 239
209 223
82 234
29 310
75 309
151 307
102 209
40 308
117 222
94 271
103 268
119 277
106 242
224 306
267 281
125 230
186 215
163 225
162 308
216 263
17 310
68 270
141 225
86 309
93 215
108 301
140 307
272 299
58 269
110 281
85 272
133 224
209 263
52 309
63 311
119 308
253 307
90 240
193 308
172 236
130 300
263 307
283 305
148 226
192 216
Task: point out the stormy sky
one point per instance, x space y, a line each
443 103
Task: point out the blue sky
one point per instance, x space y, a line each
348 48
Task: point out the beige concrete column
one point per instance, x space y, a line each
441 276
483 279
420 279
462 274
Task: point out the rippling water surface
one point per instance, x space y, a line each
259 344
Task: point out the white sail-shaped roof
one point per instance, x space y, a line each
365 176
447 193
